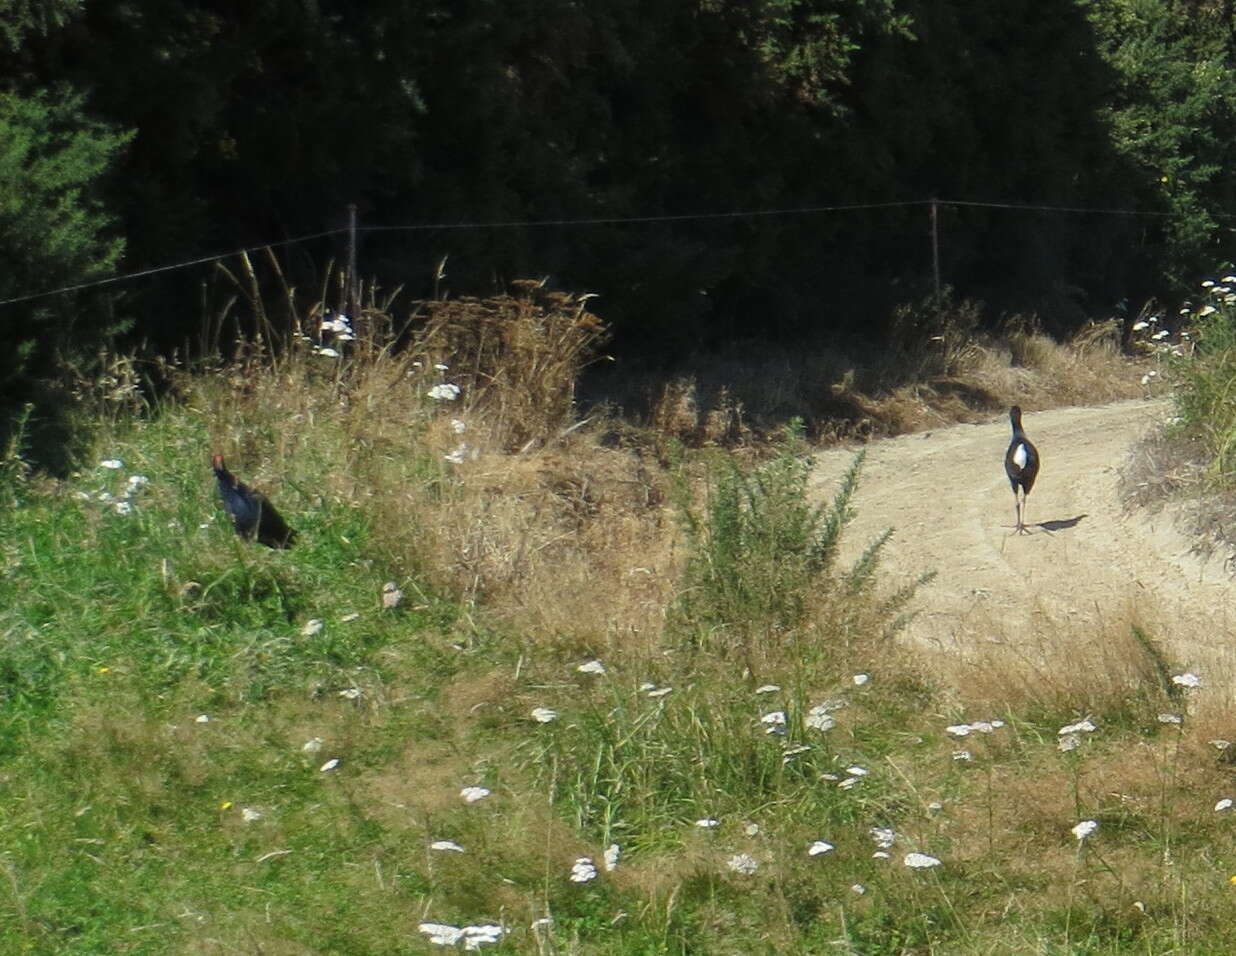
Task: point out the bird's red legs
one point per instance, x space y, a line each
1019 503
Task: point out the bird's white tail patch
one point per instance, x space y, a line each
1020 456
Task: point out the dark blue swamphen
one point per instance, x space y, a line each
1021 464
252 514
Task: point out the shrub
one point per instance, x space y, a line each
763 556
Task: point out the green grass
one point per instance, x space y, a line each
123 811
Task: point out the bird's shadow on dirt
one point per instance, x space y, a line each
1062 524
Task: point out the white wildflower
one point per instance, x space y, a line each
881 855
962 755
1220 744
860 679
249 815
958 730
768 689
1085 828
312 628
458 426
660 691
473 794
458 456
920 861
351 693
583 871
1081 727
591 667
1187 680
819 847
1224 804
774 722
475 937
440 934
849 783
858 888
743 863
329 765
708 823
1207 310
1068 742
448 845
202 719
857 771
312 745
543 715
445 392
137 481
818 718
883 836
1170 719
440 367
612 853
1139 326
326 351
114 464
123 508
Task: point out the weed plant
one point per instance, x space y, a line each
1207 380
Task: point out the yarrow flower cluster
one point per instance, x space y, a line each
978 726
336 329
473 937
1084 829
445 392
121 503
583 871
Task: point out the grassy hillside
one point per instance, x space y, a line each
628 702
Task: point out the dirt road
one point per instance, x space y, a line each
1086 560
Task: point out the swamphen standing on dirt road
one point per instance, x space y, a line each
1021 464
251 513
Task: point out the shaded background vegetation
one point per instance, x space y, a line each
167 131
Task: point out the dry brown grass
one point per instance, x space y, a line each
931 377
564 536
1172 471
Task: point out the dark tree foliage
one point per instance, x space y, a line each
262 120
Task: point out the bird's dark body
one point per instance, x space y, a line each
252 515
1021 464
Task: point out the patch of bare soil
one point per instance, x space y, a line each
1086 564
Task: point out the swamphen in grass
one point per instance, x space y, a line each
1021 464
252 514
